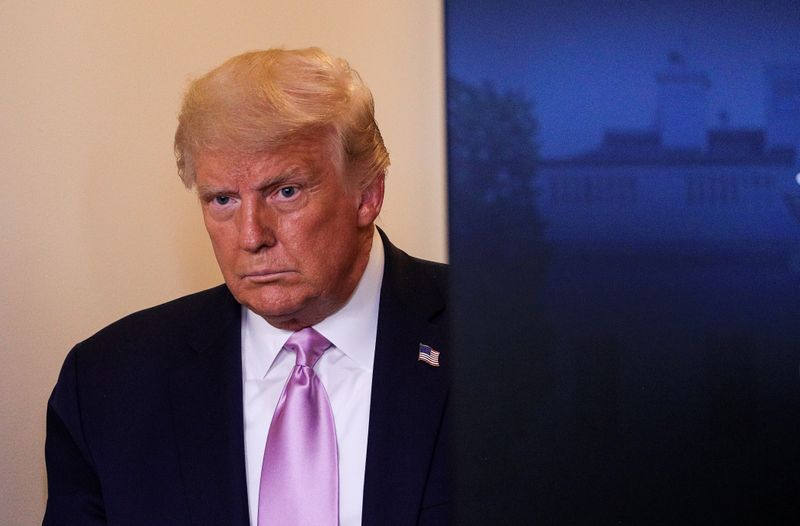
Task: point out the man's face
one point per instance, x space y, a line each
290 232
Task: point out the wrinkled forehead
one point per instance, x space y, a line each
323 142
318 155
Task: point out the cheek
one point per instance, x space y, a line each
224 245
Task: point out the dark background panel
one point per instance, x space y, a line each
625 242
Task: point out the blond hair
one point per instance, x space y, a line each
258 101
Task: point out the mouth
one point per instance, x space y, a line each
265 276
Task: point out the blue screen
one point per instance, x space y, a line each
624 182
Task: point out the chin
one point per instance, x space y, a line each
274 311
272 298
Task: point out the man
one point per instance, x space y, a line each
183 413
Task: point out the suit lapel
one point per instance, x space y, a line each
206 397
408 396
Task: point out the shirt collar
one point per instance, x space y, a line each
352 329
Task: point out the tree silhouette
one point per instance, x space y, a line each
492 159
498 259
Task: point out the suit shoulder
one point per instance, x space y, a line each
420 285
173 320
409 269
437 272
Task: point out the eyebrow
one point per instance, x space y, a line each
206 190
279 179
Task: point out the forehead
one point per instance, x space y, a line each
307 156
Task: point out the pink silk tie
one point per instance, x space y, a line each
300 472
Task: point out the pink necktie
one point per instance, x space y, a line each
300 473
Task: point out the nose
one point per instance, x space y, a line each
256 226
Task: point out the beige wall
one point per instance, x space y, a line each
94 222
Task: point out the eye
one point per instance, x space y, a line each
222 199
288 191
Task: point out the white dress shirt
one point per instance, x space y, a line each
345 370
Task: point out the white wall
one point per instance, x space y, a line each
94 222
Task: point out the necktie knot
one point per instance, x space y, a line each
308 344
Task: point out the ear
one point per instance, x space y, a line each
371 201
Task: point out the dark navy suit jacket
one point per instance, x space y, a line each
145 424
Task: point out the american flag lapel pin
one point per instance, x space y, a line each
428 355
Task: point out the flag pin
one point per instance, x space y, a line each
428 355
